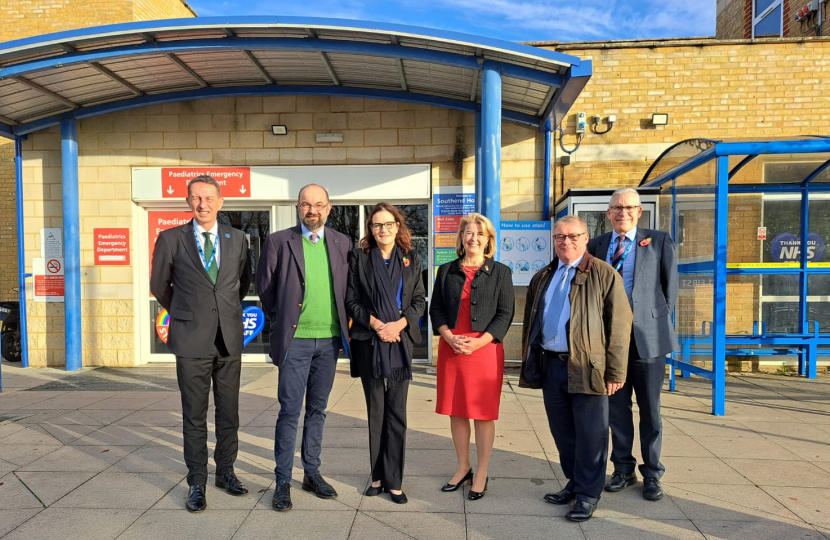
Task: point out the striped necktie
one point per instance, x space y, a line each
213 271
622 242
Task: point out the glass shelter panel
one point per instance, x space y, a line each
742 303
776 169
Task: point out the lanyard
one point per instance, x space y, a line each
624 255
202 253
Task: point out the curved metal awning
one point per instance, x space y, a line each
92 71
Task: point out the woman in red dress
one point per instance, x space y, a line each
471 309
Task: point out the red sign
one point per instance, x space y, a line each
233 181
447 224
762 233
49 279
161 221
112 246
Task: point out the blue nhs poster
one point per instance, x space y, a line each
525 248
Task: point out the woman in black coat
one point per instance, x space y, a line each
385 299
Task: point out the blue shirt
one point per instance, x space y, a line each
307 233
559 342
628 262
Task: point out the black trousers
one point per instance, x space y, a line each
386 407
645 379
579 425
195 376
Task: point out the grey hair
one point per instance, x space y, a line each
572 219
205 179
625 190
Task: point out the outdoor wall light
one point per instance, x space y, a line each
659 119
329 137
279 130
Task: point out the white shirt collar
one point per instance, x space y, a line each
307 232
214 231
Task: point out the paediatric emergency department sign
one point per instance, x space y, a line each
234 182
161 221
112 246
49 279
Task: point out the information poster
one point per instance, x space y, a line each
49 279
525 248
51 243
450 204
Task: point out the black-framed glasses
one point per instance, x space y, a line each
377 227
572 237
617 209
305 207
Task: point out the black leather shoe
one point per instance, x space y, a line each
373 491
581 511
619 481
652 490
399 498
452 487
560 497
196 499
476 495
282 497
318 486
230 483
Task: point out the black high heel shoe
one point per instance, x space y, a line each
452 487
476 495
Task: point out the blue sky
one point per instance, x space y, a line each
514 20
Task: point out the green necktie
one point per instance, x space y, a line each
213 271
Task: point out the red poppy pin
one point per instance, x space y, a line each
644 243
486 268
406 262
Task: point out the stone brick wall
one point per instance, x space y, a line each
731 19
8 223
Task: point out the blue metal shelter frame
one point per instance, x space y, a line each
58 79
715 341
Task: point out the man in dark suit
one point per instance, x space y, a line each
201 273
301 279
647 261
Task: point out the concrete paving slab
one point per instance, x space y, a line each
106 416
152 458
30 434
518 527
253 402
343 437
740 447
641 529
810 504
351 419
630 503
757 530
217 499
523 493
424 494
8 428
19 400
121 436
169 418
72 400
349 494
22 454
539 466
700 471
212 524
436 462
79 459
305 524
131 401
6 467
14 494
712 427
48 487
11 519
64 523
137 491
681 446
68 433
713 502
780 473
408 525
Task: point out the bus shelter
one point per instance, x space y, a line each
751 291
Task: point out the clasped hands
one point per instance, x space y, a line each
465 344
388 332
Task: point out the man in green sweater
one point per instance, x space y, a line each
301 281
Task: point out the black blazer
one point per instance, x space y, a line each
360 292
491 302
280 280
197 306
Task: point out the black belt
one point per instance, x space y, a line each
553 355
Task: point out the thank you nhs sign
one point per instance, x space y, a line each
786 247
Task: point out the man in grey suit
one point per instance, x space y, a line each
201 273
647 261
301 279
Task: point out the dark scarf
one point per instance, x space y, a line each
390 360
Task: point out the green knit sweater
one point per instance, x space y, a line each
318 316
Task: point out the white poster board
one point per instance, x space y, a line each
525 248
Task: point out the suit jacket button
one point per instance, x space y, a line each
474 319
473 285
293 326
213 310
299 305
472 303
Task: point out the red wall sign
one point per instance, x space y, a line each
112 246
235 182
161 221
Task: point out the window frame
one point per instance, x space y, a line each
757 18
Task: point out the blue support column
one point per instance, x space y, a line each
21 254
71 244
479 158
546 205
491 146
719 305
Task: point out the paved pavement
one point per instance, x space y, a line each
97 455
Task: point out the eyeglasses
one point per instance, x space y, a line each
305 207
572 237
618 209
377 227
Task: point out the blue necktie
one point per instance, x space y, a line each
554 309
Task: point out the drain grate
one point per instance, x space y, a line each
8 418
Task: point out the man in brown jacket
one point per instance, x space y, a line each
577 327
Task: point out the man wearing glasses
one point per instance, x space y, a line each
646 260
301 279
575 348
